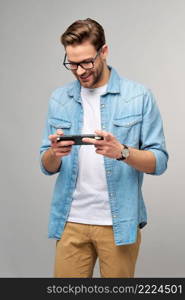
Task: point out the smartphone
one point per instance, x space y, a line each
78 138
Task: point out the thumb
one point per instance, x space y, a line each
59 132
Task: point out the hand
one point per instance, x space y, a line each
109 146
60 149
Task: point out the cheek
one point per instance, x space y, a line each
74 73
100 68
99 72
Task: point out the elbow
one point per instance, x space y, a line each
44 170
161 162
160 169
42 166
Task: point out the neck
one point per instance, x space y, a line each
107 74
105 77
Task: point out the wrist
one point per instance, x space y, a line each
120 152
124 152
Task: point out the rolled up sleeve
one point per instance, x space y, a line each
152 133
45 145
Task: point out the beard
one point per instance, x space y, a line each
91 78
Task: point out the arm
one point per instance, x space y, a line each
51 151
152 156
142 160
50 161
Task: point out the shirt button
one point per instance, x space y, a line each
103 126
108 172
102 105
114 216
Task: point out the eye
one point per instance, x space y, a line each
86 63
72 64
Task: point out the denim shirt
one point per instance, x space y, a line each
129 111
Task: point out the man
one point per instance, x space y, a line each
98 208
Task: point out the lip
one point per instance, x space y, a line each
86 78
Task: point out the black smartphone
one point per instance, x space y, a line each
78 138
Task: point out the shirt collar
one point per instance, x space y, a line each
113 86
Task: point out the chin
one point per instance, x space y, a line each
87 84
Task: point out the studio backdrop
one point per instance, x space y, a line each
146 44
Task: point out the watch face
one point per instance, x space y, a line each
125 152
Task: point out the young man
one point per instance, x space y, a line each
98 208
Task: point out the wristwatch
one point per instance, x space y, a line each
125 152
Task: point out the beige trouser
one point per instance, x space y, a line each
81 244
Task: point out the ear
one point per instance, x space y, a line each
104 52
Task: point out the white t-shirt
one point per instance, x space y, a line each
90 203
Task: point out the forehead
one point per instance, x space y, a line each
80 52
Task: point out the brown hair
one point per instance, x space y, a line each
82 30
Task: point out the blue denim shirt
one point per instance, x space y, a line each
129 112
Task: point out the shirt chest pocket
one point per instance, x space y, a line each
55 124
127 129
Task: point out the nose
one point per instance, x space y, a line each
80 71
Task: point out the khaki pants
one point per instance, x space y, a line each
81 244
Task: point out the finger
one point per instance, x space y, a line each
100 151
107 135
65 143
62 150
53 138
99 147
92 141
61 154
59 132
100 132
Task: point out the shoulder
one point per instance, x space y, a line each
61 93
131 89
128 88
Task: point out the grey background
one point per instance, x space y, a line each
147 44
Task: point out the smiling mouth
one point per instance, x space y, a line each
85 77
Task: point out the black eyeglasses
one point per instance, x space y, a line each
86 65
